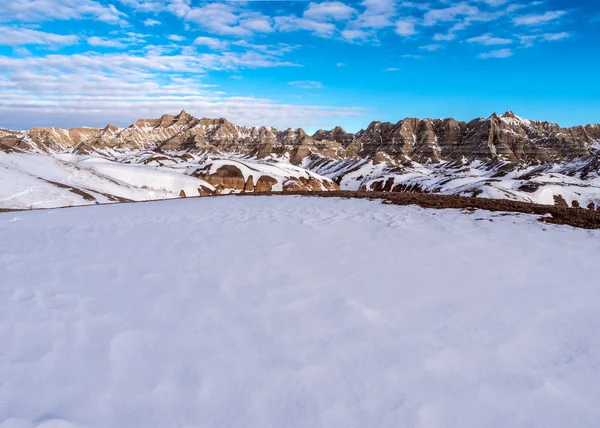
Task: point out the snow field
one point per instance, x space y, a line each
296 312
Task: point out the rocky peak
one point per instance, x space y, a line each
110 129
337 134
506 137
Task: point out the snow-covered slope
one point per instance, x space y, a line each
576 183
296 312
499 157
34 180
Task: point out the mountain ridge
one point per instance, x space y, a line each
502 156
506 137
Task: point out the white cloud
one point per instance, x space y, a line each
108 43
530 40
335 10
45 10
16 36
229 19
95 89
539 19
498 53
494 2
211 43
145 5
292 23
377 14
218 18
392 69
151 22
258 24
175 38
551 37
356 34
307 84
488 39
435 16
33 98
431 48
439 37
405 27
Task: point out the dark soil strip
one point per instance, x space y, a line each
576 217
71 189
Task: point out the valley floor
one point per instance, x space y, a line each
288 311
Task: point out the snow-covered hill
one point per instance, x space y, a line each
34 180
297 312
499 157
575 183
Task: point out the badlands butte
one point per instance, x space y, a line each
502 156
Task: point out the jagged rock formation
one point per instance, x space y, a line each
503 156
505 138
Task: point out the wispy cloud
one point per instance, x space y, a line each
151 22
95 89
292 23
335 11
498 53
211 42
45 10
431 48
107 43
406 27
176 38
539 19
16 36
356 34
530 40
488 39
307 84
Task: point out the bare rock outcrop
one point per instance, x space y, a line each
506 138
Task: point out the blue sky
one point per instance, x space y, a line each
297 64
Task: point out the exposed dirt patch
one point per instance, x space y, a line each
530 187
560 201
576 217
75 190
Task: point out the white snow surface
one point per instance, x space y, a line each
33 180
26 181
284 311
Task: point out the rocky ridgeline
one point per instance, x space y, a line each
505 138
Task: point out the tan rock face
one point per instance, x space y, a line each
249 185
294 185
205 191
265 184
227 176
506 137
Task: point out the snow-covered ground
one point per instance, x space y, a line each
296 312
34 180
42 181
522 183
